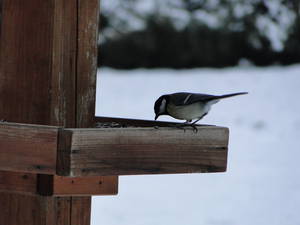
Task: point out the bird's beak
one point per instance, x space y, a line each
156 116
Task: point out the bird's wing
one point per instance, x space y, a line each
185 98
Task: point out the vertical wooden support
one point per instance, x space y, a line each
47 76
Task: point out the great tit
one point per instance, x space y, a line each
187 106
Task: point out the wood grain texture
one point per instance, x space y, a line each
64 64
81 210
130 151
82 186
38 80
85 186
25 68
1 2
88 13
23 183
30 184
127 122
28 148
19 209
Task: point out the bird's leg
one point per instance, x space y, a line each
193 125
181 126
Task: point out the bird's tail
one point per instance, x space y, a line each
231 95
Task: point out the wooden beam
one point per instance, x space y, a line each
25 68
62 101
31 184
85 186
22 183
130 151
88 16
110 151
127 122
28 148
19 209
82 186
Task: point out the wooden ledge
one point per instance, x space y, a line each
28 148
112 151
127 122
51 185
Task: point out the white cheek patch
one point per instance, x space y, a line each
162 107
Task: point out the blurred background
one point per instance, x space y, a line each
198 33
148 48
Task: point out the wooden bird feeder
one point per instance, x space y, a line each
52 158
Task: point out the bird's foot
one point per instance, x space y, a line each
183 126
187 124
195 129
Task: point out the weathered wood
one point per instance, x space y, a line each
88 15
126 122
28 148
111 151
1 1
64 64
30 184
23 183
19 209
25 67
81 210
38 84
129 151
83 186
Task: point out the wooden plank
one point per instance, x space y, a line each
82 186
28 148
127 122
88 16
1 2
64 64
23 183
130 151
30 184
81 210
19 209
25 68
85 186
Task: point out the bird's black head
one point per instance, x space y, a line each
160 106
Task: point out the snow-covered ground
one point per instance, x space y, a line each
262 184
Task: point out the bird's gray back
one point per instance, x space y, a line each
185 98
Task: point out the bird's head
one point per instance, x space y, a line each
160 106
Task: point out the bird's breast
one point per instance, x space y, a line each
188 112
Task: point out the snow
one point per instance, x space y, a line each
262 184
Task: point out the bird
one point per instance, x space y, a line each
188 106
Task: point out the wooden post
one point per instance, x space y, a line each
47 76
